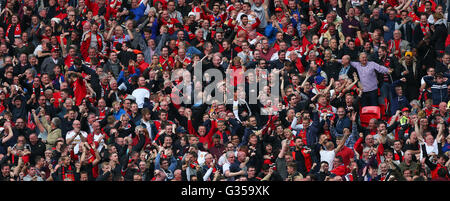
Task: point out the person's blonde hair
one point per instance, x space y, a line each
115 103
237 59
123 116
421 114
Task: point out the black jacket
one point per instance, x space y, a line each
331 69
37 149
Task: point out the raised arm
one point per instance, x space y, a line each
418 130
329 86
306 80
130 34
162 41
355 77
191 128
283 94
40 125
341 143
440 135
283 149
10 133
380 68
393 119
295 121
113 27
61 42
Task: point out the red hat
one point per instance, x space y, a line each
405 109
278 10
55 49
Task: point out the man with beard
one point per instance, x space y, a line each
218 39
267 52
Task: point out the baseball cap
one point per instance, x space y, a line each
191 13
408 53
278 10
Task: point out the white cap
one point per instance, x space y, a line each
57 20
191 13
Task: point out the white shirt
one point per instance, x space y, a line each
223 159
37 49
289 53
327 156
274 56
140 94
77 140
101 142
251 19
225 168
431 18
430 149
148 126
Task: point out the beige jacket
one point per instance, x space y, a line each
327 35
52 136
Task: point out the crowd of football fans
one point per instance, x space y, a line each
89 90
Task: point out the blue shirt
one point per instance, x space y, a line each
118 114
388 35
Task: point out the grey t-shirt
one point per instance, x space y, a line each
281 167
261 15
93 41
